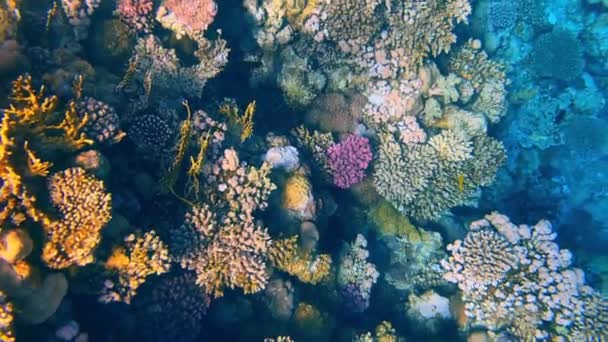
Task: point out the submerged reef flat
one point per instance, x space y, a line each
303 170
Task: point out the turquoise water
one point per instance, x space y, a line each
303 170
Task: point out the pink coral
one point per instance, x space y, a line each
136 13
187 17
410 131
349 159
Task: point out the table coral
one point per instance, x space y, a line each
85 208
516 277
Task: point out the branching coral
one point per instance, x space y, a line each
316 145
85 208
439 175
130 266
103 123
349 159
517 277
220 240
160 70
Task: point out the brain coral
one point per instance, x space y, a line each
85 209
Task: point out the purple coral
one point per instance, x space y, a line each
348 160
137 14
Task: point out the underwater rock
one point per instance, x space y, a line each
284 157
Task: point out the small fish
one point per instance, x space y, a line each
460 180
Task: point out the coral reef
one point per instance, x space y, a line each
356 275
517 277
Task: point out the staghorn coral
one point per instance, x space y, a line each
356 275
131 264
309 268
186 17
171 307
137 14
436 179
517 277
103 124
349 159
85 208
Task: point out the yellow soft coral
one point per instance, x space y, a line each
85 208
